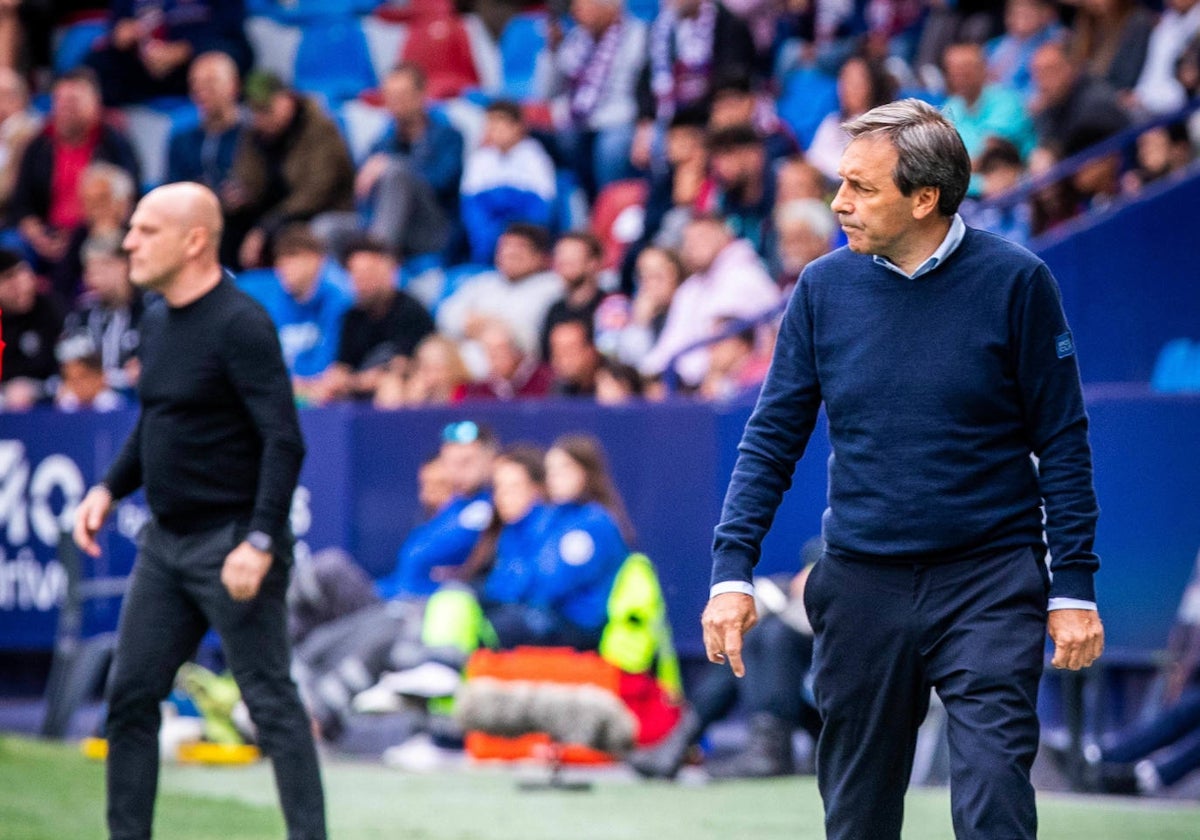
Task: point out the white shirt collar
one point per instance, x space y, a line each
954 238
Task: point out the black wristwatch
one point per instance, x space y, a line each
260 540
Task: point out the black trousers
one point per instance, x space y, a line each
885 634
174 596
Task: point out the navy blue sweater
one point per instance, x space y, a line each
937 389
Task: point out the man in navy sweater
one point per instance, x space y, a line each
949 378
218 450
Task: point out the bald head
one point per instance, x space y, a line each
173 241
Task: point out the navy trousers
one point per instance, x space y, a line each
175 595
885 635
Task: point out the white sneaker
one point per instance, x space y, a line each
433 679
419 754
377 700
1148 780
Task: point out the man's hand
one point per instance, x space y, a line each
726 620
1078 638
244 570
89 517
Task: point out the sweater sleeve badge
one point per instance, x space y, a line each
1064 345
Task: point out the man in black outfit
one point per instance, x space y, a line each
218 449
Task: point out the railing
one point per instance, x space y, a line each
1064 169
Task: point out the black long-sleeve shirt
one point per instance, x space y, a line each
218 439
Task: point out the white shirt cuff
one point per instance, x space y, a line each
1071 604
731 586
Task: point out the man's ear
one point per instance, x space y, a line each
925 202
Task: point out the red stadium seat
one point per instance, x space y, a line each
441 47
612 201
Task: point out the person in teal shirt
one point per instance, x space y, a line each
980 110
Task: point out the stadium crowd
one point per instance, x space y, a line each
659 176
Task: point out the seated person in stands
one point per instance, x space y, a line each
382 328
110 311
735 102
1160 752
151 43
291 166
1067 102
773 694
204 152
510 371
574 359
519 292
407 190
659 275
509 178
18 125
727 279
591 80
47 204
804 231
737 366
436 376
1028 25
1000 168
348 654
307 306
107 193
82 386
578 261
32 323
741 186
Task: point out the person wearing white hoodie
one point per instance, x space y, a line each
727 280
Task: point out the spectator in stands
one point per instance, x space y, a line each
617 383
796 178
307 306
107 193
1187 71
659 274
18 125
741 186
1000 168
437 376
1161 152
46 203
382 328
862 85
32 323
204 152
82 382
1097 183
727 280
508 179
690 42
407 189
1109 39
519 292
736 103
109 312
574 359
805 228
1067 102
510 370
1158 90
151 43
591 79
291 166
980 110
578 260
1028 26
737 366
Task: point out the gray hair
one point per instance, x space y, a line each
119 181
812 213
931 152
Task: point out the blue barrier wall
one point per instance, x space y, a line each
1130 283
671 462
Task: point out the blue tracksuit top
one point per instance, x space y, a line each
309 331
445 540
937 390
511 579
578 561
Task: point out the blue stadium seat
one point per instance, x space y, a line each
333 61
1177 369
522 41
807 96
259 283
301 11
646 10
75 44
